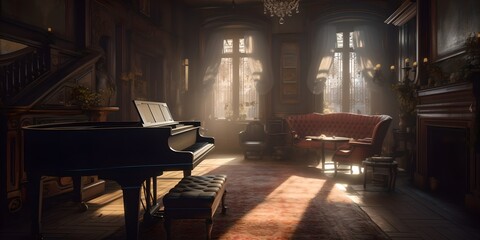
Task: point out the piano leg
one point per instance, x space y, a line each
78 193
131 201
35 191
131 187
151 205
77 188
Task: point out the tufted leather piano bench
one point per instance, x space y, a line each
195 197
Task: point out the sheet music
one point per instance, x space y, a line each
154 113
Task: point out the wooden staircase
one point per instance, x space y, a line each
35 85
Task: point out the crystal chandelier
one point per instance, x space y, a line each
280 8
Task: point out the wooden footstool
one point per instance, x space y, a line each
195 197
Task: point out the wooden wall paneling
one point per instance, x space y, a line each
13 166
290 72
290 93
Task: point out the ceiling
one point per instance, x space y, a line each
218 3
229 3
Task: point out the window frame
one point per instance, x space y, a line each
346 50
236 56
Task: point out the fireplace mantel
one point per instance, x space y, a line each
450 109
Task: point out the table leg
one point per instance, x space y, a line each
394 176
365 177
323 156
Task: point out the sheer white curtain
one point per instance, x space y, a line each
235 90
322 58
212 59
369 45
367 42
257 47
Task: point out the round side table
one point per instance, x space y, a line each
381 165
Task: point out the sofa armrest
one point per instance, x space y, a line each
293 137
354 150
242 136
366 140
360 143
353 144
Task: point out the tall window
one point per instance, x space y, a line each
235 96
345 88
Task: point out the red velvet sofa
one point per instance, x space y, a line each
367 133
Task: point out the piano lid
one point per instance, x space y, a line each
154 113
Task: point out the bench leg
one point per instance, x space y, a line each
209 226
167 223
393 177
224 207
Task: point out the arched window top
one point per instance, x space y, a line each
235 22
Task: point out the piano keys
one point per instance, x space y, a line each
126 152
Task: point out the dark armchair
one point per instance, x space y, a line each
253 140
357 150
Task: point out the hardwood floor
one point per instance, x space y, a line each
406 213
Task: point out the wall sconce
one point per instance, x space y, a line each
377 74
185 73
133 75
407 69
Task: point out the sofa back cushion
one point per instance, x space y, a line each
350 125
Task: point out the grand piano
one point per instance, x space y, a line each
126 152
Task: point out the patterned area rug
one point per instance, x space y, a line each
275 200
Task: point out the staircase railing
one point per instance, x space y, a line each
20 68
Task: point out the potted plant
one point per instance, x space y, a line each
85 97
472 51
406 92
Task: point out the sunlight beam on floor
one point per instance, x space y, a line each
286 195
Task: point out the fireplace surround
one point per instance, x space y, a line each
448 158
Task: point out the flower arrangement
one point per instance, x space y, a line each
472 52
406 97
406 92
85 97
242 113
244 109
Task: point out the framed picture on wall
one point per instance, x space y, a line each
290 90
452 24
289 75
289 60
289 72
